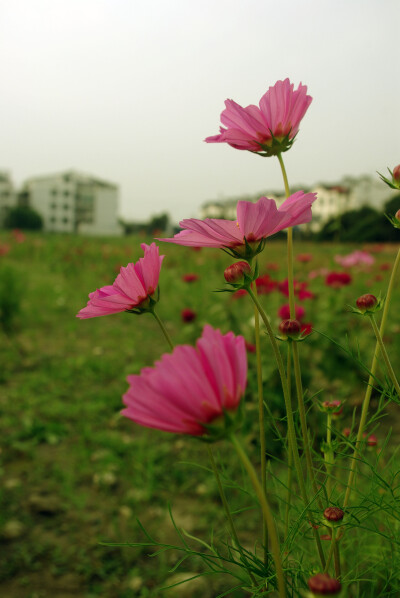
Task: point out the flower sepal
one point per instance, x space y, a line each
224 426
275 146
394 182
147 305
335 408
247 251
394 220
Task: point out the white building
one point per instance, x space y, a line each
73 202
8 196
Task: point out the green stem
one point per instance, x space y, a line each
285 179
334 550
368 392
289 412
384 354
228 513
263 458
164 330
267 514
289 245
303 423
292 308
289 450
328 457
336 556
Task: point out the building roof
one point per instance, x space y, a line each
74 175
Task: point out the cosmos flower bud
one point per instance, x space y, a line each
372 440
323 585
397 215
394 181
333 514
290 329
333 407
235 272
366 302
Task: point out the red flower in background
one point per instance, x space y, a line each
265 284
4 249
273 266
19 236
238 294
304 257
190 277
284 312
306 328
188 315
250 347
300 289
336 280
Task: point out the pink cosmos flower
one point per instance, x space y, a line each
269 128
190 387
133 285
355 258
255 222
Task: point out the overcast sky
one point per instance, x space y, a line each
127 90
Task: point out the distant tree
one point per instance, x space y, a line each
392 205
158 223
363 225
24 218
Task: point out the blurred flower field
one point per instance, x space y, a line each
74 473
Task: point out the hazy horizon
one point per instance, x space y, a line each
127 92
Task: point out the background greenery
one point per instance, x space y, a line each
75 473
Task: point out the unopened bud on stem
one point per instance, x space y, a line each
290 329
235 272
323 585
366 302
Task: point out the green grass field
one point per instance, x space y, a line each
74 473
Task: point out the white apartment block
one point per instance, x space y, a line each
72 202
8 196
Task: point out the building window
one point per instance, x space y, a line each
52 219
66 206
65 220
53 206
66 192
53 191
